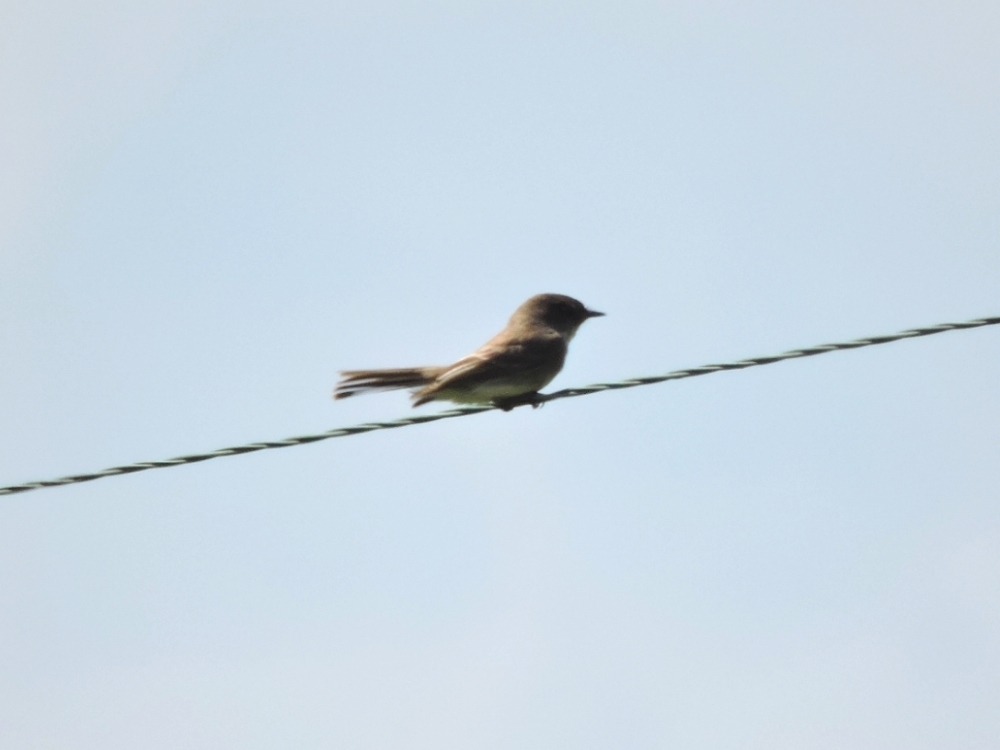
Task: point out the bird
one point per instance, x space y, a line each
506 371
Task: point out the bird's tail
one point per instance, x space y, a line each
353 382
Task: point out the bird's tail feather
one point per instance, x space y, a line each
354 382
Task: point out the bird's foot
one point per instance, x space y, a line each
534 400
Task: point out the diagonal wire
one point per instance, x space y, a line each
470 410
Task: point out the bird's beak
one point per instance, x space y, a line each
594 314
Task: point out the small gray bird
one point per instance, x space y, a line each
507 371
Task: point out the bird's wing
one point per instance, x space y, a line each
497 360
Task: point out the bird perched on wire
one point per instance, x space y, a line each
506 371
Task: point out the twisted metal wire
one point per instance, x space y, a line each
469 410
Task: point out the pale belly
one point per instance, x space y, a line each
483 393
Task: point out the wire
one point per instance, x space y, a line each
470 410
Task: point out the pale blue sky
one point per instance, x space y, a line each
207 209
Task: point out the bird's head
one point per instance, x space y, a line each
556 311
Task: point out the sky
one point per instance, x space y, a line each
208 209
